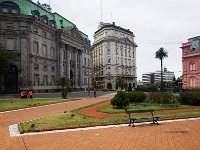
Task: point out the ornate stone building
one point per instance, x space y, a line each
191 63
45 45
114 55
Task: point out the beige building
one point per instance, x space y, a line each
46 46
114 55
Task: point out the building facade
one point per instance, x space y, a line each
153 77
114 55
191 63
45 45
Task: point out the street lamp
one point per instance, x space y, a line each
89 84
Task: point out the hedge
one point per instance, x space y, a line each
136 96
190 98
161 98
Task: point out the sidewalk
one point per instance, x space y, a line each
183 135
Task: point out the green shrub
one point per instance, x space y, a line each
136 96
120 100
160 98
190 98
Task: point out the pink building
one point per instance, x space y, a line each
191 63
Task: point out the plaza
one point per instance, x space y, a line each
168 135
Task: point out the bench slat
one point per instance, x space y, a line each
139 111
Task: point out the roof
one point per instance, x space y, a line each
27 7
107 25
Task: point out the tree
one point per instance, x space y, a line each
161 54
65 83
121 82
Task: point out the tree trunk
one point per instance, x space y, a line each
161 85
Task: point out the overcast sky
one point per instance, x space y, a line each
155 24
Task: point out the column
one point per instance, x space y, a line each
68 61
75 68
80 68
61 49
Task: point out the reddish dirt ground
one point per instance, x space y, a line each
92 111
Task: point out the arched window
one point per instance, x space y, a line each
52 23
45 19
192 66
192 81
36 14
9 7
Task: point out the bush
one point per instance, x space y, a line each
136 96
120 100
160 98
190 98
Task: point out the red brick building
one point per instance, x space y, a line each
191 63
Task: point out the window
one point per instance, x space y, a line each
9 7
45 21
109 60
61 22
84 61
14 11
133 54
53 80
10 43
192 66
45 79
44 50
108 52
52 69
35 47
45 68
36 80
88 62
52 52
37 16
70 56
192 81
5 10
36 67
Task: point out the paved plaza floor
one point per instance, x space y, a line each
182 135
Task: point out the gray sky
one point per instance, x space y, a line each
155 24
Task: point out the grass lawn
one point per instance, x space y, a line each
134 106
73 119
17 103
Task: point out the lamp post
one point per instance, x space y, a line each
89 84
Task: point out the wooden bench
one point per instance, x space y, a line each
145 116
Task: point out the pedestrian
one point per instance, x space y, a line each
30 93
63 94
23 94
95 92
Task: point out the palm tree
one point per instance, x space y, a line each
161 54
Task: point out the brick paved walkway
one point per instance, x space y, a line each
174 136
